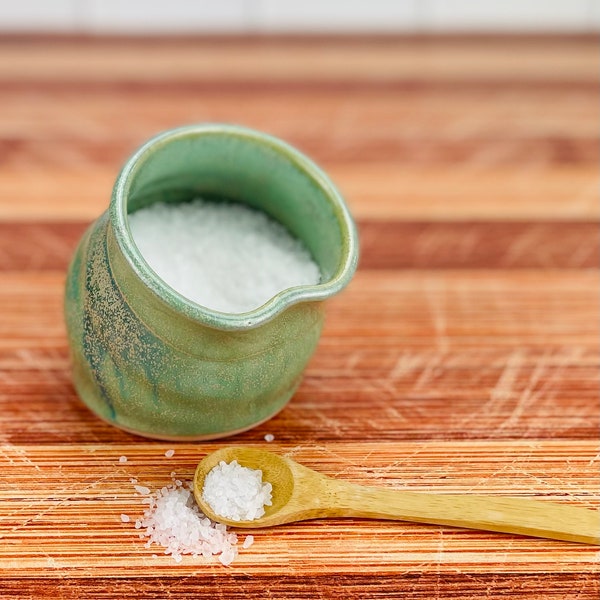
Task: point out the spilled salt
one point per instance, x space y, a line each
235 492
122 459
174 521
269 437
169 453
125 518
248 542
225 256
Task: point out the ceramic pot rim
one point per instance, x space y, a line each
279 302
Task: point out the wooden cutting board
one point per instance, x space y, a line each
463 357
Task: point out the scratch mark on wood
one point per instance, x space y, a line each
435 299
540 374
57 503
527 243
405 364
6 448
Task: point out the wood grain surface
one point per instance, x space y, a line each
462 358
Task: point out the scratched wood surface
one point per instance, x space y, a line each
462 358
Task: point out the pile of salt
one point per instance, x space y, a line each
235 492
174 521
224 256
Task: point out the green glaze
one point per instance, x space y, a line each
150 361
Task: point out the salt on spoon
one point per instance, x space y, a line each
236 492
299 493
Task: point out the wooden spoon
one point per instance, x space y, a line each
300 493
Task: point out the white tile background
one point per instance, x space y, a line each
189 16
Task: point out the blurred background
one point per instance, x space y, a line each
420 110
249 16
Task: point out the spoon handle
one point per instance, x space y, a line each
488 513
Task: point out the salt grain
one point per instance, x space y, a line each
248 542
235 492
122 459
125 518
142 489
169 453
269 437
224 256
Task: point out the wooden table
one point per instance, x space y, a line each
463 357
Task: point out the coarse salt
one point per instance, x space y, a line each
225 256
125 518
122 459
269 437
174 521
248 542
169 453
236 492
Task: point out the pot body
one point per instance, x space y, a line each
153 363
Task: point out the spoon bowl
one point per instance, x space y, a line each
299 493
275 469
290 482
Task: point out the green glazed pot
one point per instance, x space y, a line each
152 362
